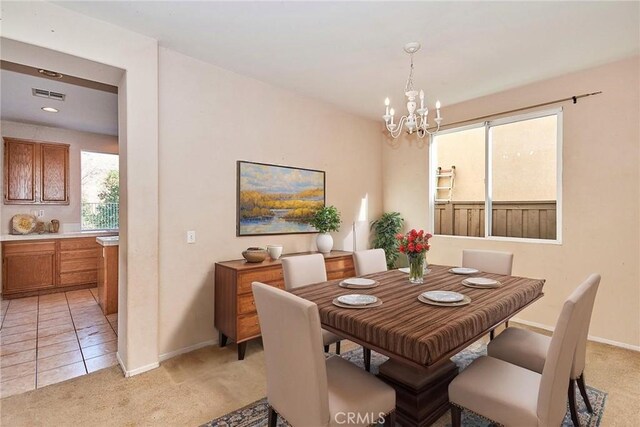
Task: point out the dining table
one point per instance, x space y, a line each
419 339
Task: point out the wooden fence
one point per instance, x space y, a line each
536 220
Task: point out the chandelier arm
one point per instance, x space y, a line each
395 133
433 132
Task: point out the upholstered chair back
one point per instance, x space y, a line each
369 261
581 349
303 270
488 261
552 396
296 369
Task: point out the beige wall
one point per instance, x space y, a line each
50 26
526 150
209 119
68 215
600 197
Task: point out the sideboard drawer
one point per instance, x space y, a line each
265 275
248 326
245 288
339 265
246 304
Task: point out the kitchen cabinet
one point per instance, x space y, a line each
235 310
28 267
53 265
35 172
108 275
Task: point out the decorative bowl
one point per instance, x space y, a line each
255 254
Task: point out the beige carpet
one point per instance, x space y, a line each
194 388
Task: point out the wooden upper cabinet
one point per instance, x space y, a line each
54 171
35 172
19 171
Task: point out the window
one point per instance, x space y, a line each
509 167
100 191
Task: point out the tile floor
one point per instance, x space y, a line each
52 338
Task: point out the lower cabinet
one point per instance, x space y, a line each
235 310
28 267
32 267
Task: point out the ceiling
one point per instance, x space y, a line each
83 109
350 53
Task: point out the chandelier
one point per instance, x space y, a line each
416 121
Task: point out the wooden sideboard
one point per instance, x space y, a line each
235 310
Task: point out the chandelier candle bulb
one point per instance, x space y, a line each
386 105
437 109
392 113
422 100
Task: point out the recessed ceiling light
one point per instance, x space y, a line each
50 109
52 74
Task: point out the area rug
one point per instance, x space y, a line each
256 413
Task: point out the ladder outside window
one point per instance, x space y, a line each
445 179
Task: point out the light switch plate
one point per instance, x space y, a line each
191 236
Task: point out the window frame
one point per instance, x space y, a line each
88 230
488 174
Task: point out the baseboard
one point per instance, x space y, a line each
590 337
140 370
188 349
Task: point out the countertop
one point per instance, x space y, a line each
50 236
108 240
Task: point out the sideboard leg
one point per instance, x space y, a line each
241 349
222 339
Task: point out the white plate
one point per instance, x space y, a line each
465 301
463 270
358 281
481 281
355 299
443 296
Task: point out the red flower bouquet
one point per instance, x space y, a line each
415 244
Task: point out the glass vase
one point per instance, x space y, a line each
416 267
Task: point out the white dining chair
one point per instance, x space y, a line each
494 262
369 261
303 387
510 395
529 350
304 270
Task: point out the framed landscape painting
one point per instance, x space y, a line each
275 199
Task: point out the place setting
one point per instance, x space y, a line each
444 298
464 271
357 301
481 283
358 283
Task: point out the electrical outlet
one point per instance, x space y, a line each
40 213
191 236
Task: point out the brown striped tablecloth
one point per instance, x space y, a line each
412 330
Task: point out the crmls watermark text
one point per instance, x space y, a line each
347 418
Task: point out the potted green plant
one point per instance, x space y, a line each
325 220
386 228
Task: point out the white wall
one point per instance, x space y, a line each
601 184
209 119
68 215
50 26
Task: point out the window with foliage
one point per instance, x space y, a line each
509 167
100 191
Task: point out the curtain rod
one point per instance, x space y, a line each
517 110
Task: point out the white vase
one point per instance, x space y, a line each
324 242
